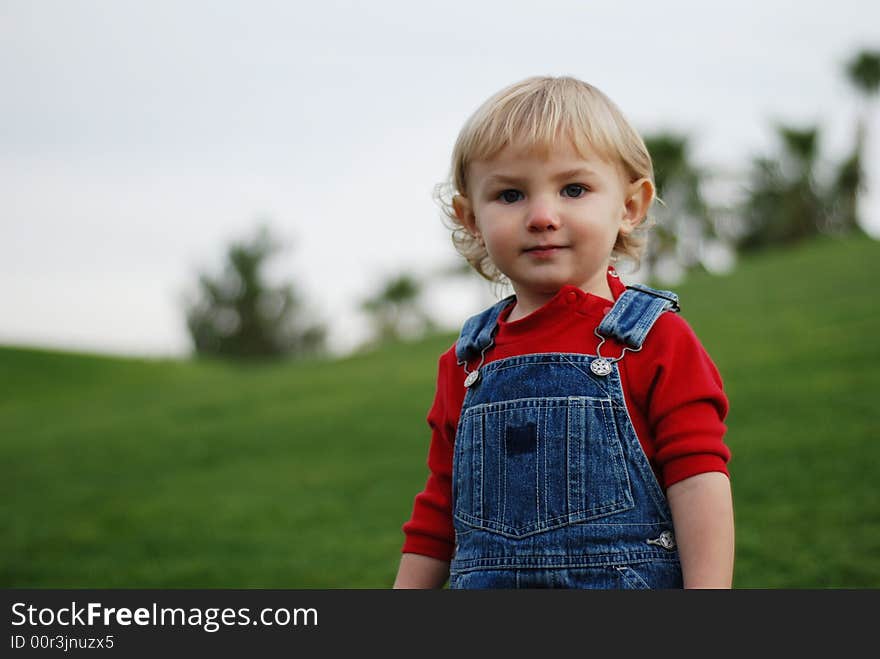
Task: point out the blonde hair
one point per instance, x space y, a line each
534 114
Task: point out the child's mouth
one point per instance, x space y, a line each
544 251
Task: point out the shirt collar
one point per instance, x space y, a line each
568 298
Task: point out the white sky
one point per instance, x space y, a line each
138 138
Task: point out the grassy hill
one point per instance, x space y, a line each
140 473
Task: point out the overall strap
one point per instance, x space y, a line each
478 332
634 313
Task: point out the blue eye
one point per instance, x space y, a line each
574 190
510 196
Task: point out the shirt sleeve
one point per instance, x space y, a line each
430 531
687 405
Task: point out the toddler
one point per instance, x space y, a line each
577 426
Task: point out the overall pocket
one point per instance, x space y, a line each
534 464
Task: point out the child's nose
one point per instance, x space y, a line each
542 217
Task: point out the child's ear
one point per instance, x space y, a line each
464 211
640 194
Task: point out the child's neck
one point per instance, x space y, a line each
527 302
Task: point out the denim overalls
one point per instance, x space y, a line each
550 486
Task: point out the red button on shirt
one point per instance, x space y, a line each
572 297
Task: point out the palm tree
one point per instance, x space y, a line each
785 202
804 212
863 71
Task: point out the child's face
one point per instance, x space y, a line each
548 222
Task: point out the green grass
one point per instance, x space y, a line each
139 473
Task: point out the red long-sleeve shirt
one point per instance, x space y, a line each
673 394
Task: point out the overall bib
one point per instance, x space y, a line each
550 486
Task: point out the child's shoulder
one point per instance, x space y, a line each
450 375
449 354
673 335
670 325
673 324
448 361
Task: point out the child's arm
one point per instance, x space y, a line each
418 571
702 513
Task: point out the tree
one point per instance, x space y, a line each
238 314
849 183
787 201
863 72
396 310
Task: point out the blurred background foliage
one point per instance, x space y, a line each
779 199
396 311
241 469
298 474
703 219
239 314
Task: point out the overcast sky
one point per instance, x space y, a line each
138 138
